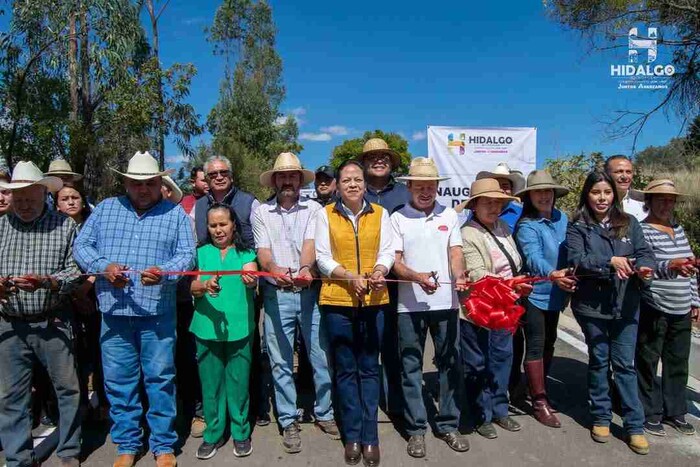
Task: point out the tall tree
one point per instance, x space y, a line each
605 22
352 148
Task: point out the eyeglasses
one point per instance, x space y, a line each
379 158
219 173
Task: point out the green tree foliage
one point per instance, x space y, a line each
571 171
352 148
607 22
245 121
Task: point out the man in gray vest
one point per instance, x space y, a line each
218 173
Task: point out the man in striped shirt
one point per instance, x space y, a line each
668 306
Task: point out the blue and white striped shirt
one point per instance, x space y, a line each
115 233
670 292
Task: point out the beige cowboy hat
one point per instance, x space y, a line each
484 188
143 166
661 186
379 146
503 171
542 180
422 168
177 192
61 168
286 162
27 174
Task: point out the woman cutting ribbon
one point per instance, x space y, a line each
612 261
487 355
223 324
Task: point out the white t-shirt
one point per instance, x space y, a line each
633 207
425 242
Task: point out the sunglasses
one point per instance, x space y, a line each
219 173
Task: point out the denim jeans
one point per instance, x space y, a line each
355 336
131 347
486 359
51 344
283 310
612 341
413 330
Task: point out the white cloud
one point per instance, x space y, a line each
315 136
297 113
193 20
336 130
179 159
419 135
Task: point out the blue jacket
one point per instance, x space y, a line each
541 243
511 213
392 197
600 293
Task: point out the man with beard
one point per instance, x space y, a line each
284 230
620 168
221 190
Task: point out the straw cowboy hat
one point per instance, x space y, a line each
143 166
379 146
286 162
422 168
61 168
484 188
177 192
661 186
503 171
27 174
542 180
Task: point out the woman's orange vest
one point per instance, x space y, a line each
355 251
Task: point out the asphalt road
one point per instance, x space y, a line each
535 445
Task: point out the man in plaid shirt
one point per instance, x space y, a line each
138 232
36 272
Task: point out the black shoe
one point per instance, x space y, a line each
487 430
209 450
263 420
455 440
416 446
681 425
508 423
242 448
656 429
291 439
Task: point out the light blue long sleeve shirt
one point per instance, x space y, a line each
115 233
541 242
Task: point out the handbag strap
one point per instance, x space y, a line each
501 247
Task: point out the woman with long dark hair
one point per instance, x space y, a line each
613 262
540 234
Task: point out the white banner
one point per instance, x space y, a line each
460 153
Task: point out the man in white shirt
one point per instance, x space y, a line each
428 248
620 168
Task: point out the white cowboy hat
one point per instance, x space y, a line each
422 168
177 192
61 168
379 146
286 162
143 166
27 174
503 171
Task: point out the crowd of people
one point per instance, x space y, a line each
153 298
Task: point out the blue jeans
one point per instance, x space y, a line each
132 347
355 336
283 310
22 343
486 358
413 330
612 341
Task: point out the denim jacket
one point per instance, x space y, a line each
541 244
600 293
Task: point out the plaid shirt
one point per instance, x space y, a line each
41 247
115 233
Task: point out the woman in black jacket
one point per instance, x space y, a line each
612 261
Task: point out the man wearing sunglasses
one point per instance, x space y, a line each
218 174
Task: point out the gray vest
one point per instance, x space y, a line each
240 201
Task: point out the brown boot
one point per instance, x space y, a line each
124 460
540 405
166 460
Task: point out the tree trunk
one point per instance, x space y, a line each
73 68
160 124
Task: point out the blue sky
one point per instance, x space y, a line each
401 66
